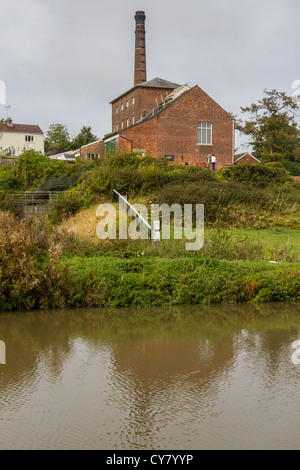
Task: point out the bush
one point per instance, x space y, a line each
261 175
132 175
292 167
31 275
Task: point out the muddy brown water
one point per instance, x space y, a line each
190 377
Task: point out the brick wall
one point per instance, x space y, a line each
145 98
95 148
142 137
174 131
177 130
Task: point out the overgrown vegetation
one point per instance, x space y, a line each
253 196
53 263
32 169
56 269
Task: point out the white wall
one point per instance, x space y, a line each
16 140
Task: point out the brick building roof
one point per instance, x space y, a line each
159 83
154 83
22 128
238 156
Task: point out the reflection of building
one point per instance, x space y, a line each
152 358
18 138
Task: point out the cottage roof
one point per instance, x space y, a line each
154 83
22 128
238 156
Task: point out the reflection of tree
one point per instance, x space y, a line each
28 338
163 360
267 348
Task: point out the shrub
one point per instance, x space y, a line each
31 275
261 175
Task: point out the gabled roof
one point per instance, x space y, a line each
241 155
159 83
22 128
154 83
65 156
168 101
174 95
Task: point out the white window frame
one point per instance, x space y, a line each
122 106
127 122
117 109
200 129
127 104
132 100
92 156
28 138
132 119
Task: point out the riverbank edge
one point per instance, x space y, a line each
163 282
159 282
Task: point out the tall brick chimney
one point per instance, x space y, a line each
140 74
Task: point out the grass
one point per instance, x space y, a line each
272 244
270 239
164 282
234 266
250 253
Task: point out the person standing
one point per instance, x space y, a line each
208 161
213 161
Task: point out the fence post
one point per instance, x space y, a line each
155 230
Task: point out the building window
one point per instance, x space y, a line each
116 127
122 107
132 101
92 156
127 122
127 104
132 119
122 124
204 133
117 109
28 138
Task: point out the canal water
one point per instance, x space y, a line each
190 377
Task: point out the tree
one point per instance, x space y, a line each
30 168
84 137
271 126
57 138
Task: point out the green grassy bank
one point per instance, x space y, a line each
250 253
161 282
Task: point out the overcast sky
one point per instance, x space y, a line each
63 61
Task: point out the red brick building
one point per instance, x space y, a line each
134 104
93 151
185 126
168 120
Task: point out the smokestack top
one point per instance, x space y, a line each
140 13
140 75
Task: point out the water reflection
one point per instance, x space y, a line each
184 377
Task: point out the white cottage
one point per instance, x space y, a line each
18 138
